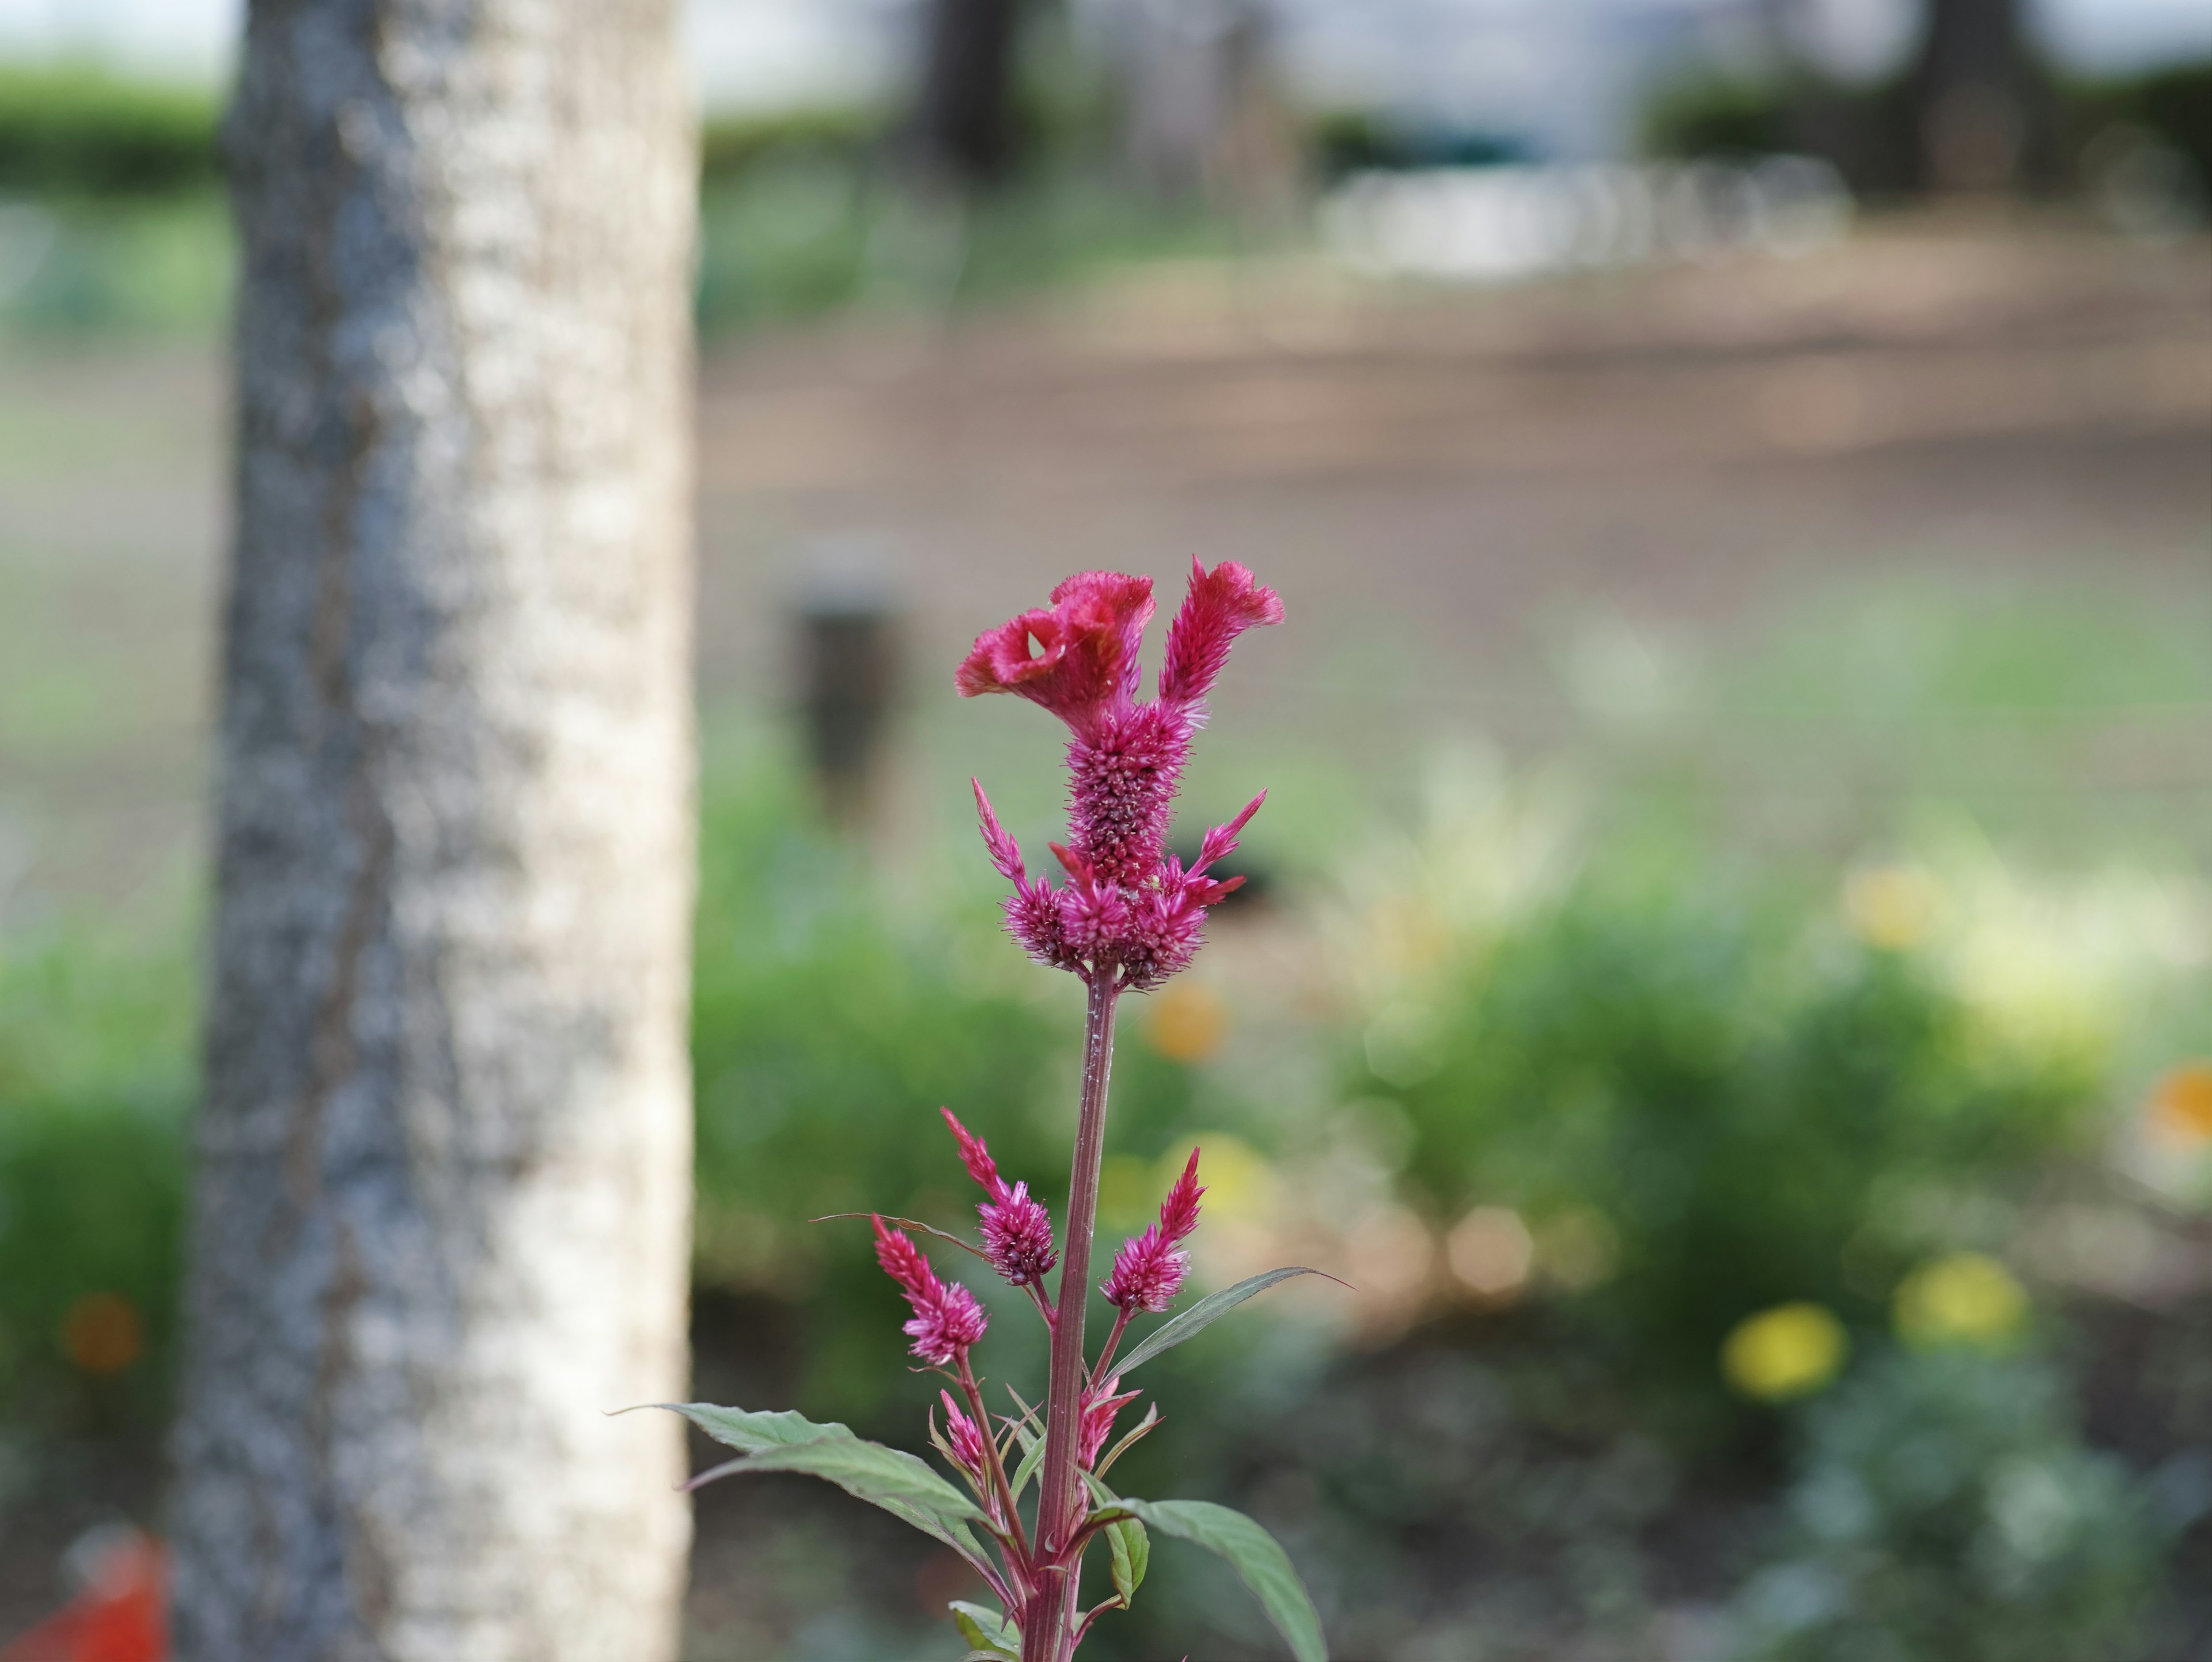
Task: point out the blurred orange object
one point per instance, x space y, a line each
122 1615
2181 1102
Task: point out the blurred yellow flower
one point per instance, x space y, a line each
2181 1102
1188 1020
1791 1350
1240 1183
1964 1297
1128 1196
1892 907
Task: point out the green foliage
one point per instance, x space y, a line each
890 1478
1188 1324
1945 1508
78 130
828 1027
1719 116
2173 104
1713 1116
95 1079
1261 1563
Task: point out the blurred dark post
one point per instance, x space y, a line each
848 652
965 124
1983 110
441 1209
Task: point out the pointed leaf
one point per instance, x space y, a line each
1260 1562
990 1633
1151 1418
1027 1470
869 1471
1132 1555
886 1477
751 1434
1207 1312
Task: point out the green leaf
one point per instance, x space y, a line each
990 1633
752 1434
1207 1312
1027 1470
868 1471
1133 1554
1151 1418
1260 1562
885 1477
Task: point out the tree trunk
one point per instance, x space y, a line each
965 124
442 1214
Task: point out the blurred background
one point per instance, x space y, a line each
1727 964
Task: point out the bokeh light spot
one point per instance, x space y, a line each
102 1333
2180 1104
1188 1021
1492 1252
1791 1350
1964 1297
1892 907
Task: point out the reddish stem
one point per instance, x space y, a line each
1045 1630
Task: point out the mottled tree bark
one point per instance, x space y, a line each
443 1213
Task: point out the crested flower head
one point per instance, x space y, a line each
947 1320
1130 911
1148 1269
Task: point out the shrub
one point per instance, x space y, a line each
1943 1507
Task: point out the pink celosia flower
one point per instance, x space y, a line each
963 1437
1130 910
947 1320
1016 1228
1100 1405
1148 1269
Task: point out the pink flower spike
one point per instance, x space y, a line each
975 1155
902 1260
1017 1237
963 1437
1179 1212
1222 603
1006 853
947 1320
1078 659
1148 1272
1100 1405
942 1332
1221 840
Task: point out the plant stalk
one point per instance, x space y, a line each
1044 1635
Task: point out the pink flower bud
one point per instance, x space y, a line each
947 1320
1148 1269
963 1437
1100 1405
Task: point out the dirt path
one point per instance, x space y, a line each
1453 485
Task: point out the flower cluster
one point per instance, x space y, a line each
1148 1269
1130 911
1017 1229
947 1320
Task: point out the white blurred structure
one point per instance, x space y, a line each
1498 224
1560 65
